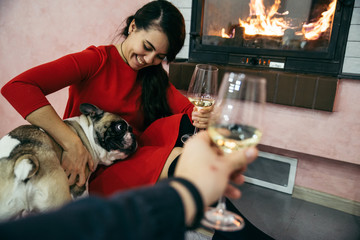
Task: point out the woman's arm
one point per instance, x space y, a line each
27 91
180 104
75 156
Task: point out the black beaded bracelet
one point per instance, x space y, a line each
197 199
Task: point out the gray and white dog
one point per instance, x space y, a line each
31 177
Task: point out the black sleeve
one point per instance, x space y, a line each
146 213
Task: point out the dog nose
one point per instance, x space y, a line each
130 128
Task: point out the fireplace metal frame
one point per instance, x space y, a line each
327 63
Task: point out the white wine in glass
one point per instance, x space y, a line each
202 89
235 123
202 103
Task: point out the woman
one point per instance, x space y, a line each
127 79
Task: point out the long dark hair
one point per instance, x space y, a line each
165 17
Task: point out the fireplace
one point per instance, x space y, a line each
298 36
297 45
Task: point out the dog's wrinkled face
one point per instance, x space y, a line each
113 133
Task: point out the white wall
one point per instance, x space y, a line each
352 54
185 8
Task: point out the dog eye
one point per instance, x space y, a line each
120 127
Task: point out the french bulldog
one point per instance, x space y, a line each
31 177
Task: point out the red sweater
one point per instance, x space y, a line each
98 75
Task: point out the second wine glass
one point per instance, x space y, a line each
202 89
235 123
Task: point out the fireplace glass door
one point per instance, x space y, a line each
291 35
267 24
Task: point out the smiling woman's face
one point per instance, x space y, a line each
145 48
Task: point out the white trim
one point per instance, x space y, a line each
327 200
291 179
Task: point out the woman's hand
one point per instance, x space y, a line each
75 157
200 117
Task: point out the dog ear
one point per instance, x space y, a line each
91 110
25 167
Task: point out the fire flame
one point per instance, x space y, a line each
225 35
262 23
312 31
266 22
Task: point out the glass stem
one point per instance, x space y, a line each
195 130
221 206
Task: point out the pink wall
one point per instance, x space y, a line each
327 145
333 135
34 32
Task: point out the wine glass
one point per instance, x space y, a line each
202 89
235 123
